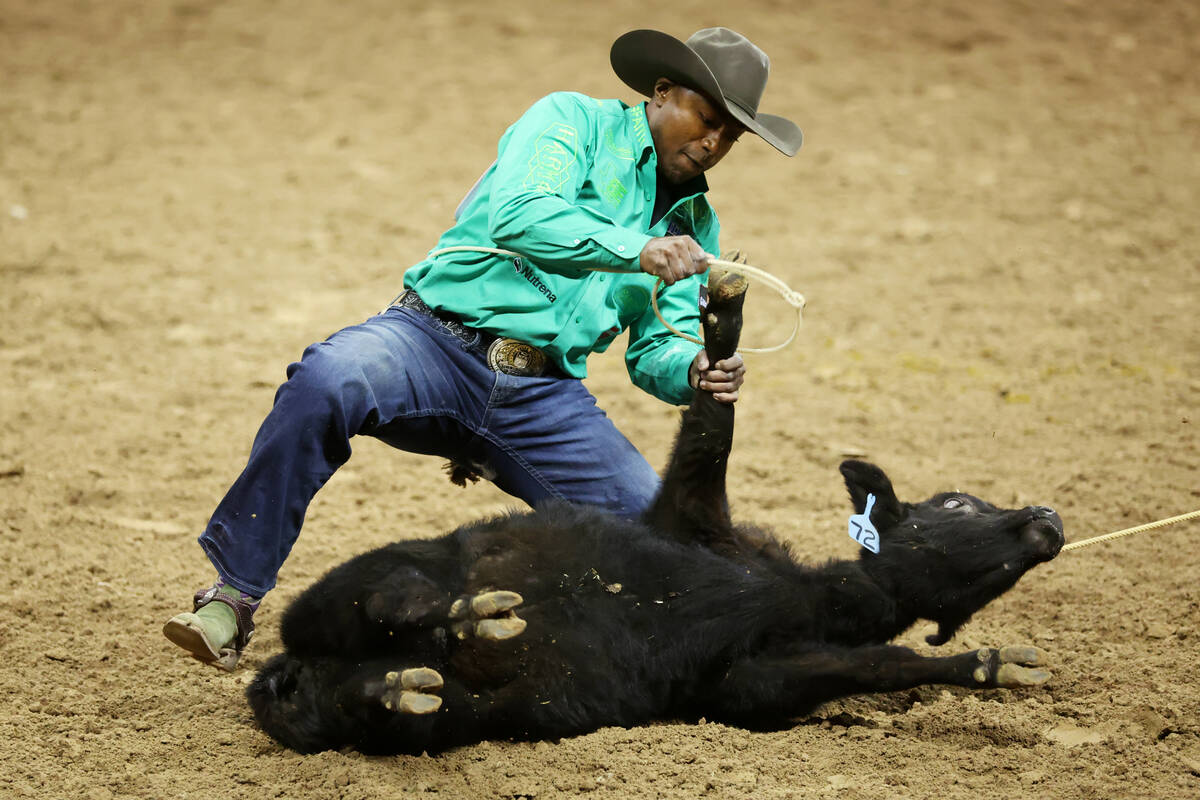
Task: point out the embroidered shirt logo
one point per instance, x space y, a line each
631 300
614 192
624 152
553 154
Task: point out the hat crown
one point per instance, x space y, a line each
740 67
722 64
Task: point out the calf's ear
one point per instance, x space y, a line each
862 479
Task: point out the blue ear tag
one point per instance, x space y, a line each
862 530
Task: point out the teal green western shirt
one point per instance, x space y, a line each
573 188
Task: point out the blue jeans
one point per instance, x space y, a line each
402 378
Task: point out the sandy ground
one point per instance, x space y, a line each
995 220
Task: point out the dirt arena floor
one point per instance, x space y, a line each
994 218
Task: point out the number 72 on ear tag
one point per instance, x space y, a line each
862 530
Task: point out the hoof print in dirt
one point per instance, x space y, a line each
487 615
1012 667
413 691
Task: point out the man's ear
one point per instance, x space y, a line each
662 87
862 479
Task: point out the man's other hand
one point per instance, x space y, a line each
723 379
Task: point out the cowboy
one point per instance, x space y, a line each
553 253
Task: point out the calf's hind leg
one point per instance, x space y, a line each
363 604
768 690
381 705
385 706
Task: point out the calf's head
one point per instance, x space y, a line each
949 556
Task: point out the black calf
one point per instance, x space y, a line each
557 622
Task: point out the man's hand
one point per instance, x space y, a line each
723 379
673 258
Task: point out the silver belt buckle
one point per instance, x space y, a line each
514 357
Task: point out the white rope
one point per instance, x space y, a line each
1149 526
793 298
796 300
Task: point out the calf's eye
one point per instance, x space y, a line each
952 502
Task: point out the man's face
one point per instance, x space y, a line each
690 133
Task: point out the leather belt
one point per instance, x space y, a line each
501 354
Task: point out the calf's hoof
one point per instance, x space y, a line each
1012 667
412 691
487 615
724 286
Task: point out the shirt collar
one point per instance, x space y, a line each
639 131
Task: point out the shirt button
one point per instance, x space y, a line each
576 241
620 248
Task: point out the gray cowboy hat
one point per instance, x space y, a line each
720 63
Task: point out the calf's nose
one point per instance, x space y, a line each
1048 514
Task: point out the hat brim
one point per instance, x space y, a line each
641 57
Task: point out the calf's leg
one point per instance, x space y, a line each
691 504
765 691
382 705
363 604
392 705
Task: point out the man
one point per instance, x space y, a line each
480 360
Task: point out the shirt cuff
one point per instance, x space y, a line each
621 248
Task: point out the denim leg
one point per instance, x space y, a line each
547 438
395 366
405 380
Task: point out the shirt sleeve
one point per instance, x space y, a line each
542 164
657 359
